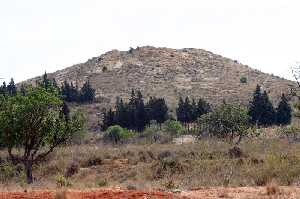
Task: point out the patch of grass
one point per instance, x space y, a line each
62 181
101 182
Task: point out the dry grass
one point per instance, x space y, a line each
166 166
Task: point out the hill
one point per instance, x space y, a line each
170 73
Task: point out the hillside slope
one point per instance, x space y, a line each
170 73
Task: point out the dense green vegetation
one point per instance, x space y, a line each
33 123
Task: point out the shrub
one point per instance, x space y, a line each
291 132
227 121
116 134
104 69
101 182
62 181
173 127
7 171
243 80
113 134
72 170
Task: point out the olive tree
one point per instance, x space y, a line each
227 121
34 124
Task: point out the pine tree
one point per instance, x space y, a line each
3 89
180 112
65 91
131 110
283 112
11 88
187 110
140 113
157 110
194 111
73 93
46 83
87 93
268 116
108 119
202 107
256 106
23 90
65 110
122 114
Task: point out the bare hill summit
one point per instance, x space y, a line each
170 73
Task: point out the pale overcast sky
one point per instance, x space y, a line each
47 35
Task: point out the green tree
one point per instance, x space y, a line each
140 113
187 110
227 121
268 114
108 119
122 114
35 123
11 87
180 111
3 89
157 110
131 110
194 111
256 106
202 107
87 93
283 112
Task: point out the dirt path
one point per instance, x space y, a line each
96 194
272 192
204 193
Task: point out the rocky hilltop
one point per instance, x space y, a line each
170 73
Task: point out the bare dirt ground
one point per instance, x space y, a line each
270 192
203 193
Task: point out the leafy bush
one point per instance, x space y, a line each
291 132
116 134
61 181
7 171
101 182
173 127
227 121
243 80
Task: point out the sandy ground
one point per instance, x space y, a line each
202 193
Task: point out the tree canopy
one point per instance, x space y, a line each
36 123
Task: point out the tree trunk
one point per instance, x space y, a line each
28 168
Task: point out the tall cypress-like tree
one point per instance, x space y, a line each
157 110
11 87
180 112
140 113
283 112
194 111
108 119
202 107
3 89
268 116
87 93
256 106
122 114
131 110
187 110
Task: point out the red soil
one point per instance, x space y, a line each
99 194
